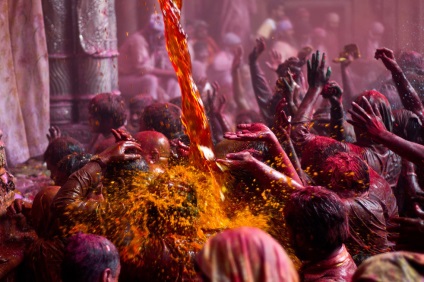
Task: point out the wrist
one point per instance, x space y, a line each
101 160
382 136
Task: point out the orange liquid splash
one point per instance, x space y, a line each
194 116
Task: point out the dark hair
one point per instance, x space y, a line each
73 162
317 151
320 216
106 105
164 118
122 168
61 147
87 256
344 173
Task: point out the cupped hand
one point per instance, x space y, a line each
251 132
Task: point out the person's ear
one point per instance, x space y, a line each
106 275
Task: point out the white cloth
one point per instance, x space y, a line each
24 79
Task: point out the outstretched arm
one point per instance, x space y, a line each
260 132
260 85
317 78
407 93
369 119
72 196
279 184
238 89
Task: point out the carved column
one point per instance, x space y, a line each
58 24
82 46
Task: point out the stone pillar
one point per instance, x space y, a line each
82 45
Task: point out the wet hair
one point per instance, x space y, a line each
317 152
108 105
73 162
164 118
320 216
61 147
345 173
87 256
114 169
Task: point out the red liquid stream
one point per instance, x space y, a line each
194 116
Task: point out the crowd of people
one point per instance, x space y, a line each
341 188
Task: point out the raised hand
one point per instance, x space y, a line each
317 76
251 132
282 122
332 91
367 118
258 49
388 58
212 97
288 87
54 132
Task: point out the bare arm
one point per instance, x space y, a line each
369 119
260 85
279 184
238 88
260 132
407 93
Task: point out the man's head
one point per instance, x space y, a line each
376 31
164 118
201 51
231 41
137 105
345 174
201 30
332 21
106 111
277 9
70 164
317 221
317 152
155 147
284 30
57 150
90 258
